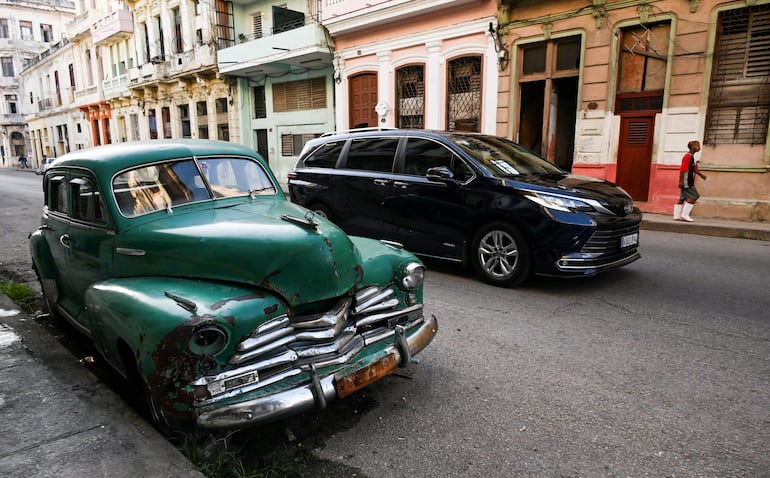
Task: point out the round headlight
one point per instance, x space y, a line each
414 275
207 341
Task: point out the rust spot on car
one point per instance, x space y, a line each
221 303
271 309
175 368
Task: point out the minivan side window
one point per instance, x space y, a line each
372 154
422 154
326 156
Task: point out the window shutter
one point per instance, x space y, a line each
256 25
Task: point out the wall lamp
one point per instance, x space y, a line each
502 53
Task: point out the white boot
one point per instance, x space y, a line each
678 212
686 211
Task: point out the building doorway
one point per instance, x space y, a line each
634 153
641 83
363 99
548 86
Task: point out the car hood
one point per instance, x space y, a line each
607 193
263 242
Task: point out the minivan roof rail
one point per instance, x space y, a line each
358 130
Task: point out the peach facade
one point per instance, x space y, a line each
739 174
383 36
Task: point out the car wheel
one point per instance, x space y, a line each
322 210
49 297
143 400
501 255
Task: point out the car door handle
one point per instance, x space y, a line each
382 182
400 184
65 240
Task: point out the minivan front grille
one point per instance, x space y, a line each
607 241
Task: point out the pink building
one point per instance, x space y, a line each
419 64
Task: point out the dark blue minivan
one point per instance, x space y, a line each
480 199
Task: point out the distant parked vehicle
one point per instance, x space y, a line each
486 201
44 165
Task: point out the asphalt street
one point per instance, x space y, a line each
658 369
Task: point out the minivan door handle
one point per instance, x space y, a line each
382 182
400 184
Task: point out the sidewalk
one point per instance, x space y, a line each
708 227
58 420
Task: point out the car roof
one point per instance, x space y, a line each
111 158
397 132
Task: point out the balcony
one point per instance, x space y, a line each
115 87
202 57
157 71
289 51
346 16
80 26
117 26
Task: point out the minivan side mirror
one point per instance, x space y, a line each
439 173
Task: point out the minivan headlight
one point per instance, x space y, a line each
559 203
413 276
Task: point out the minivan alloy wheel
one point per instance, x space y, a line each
501 256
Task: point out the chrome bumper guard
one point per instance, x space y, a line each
312 395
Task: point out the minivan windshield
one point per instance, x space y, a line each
503 157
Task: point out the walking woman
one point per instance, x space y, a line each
688 195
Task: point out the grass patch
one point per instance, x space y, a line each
21 294
218 462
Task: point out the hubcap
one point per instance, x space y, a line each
498 254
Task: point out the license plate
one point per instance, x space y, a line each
629 240
361 378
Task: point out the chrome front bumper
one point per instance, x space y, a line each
311 395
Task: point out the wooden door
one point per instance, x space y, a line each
363 99
635 155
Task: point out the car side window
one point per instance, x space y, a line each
56 194
423 154
325 156
87 204
461 170
372 154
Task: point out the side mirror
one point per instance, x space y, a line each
440 173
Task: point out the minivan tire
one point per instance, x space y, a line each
322 210
500 255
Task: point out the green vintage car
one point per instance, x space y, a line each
227 304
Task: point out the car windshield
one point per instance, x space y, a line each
504 157
150 188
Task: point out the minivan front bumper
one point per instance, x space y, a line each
606 249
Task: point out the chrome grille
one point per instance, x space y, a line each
286 346
607 241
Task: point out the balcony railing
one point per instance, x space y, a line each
115 87
118 25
